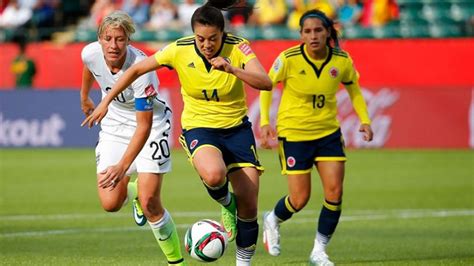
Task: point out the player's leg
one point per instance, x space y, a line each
241 159
113 200
203 149
109 152
299 187
211 168
332 176
245 184
158 217
296 160
330 163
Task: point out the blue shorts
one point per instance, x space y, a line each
237 144
298 157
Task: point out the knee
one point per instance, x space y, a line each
213 177
333 193
300 201
111 206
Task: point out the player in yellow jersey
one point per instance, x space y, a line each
308 130
212 67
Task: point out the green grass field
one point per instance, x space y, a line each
400 207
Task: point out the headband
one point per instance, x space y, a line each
325 21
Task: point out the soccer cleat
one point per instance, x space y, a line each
229 218
138 215
271 236
320 259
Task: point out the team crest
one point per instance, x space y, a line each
333 72
291 161
194 143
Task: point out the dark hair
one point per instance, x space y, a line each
210 14
327 23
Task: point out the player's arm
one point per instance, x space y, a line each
267 133
87 105
115 173
276 74
124 81
253 74
360 108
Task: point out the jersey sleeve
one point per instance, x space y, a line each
277 72
86 55
166 55
351 82
276 75
245 51
145 88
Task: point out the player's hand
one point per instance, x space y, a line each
222 64
266 135
87 106
96 116
111 177
367 130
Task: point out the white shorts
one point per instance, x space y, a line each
155 156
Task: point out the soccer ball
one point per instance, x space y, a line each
205 240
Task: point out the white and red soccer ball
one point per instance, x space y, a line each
206 240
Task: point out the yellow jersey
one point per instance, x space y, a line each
308 106
212 98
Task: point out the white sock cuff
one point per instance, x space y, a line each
161 222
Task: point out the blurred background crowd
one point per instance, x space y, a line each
162 20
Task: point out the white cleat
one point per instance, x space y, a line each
271 236
320 259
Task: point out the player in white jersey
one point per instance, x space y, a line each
134 133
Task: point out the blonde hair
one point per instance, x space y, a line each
115 20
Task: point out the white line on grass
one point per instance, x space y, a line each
356 216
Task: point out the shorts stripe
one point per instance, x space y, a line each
296 172
282 157
244 165
205 145
330 159
182 141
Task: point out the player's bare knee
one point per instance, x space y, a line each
300 202
333 194
111 206
214 177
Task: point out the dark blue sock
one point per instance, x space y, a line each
247 233
218 193
283 209
329 218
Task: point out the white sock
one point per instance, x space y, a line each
273 219
320 243
244 255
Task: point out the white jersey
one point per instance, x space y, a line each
121 110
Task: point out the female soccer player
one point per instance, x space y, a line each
308 130
212 66
134 134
